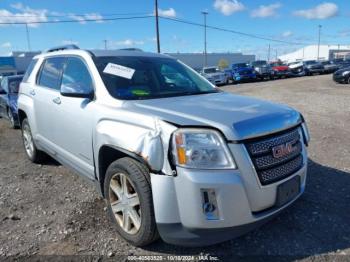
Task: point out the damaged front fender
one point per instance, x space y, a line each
150 140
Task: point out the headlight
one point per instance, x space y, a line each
306 133
345 73
202 149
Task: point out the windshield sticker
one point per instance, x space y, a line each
119 70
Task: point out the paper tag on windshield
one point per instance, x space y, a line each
119 70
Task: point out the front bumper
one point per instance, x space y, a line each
242 78
339 78
282 73
242 202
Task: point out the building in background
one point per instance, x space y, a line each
16 63
196 60
327 52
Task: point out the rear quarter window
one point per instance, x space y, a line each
29 70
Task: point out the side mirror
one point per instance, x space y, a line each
74 90
2 92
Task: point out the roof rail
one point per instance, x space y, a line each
63 47
131 49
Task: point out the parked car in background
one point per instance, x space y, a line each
297 68
8 98
262 69
329 67
342 76
343 64
214 75
242 72
229 75
192 164
280 69
313 67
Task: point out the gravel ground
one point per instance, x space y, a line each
46 211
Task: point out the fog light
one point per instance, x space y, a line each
209 204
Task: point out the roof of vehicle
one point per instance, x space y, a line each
72 49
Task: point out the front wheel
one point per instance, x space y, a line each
128 193
34 155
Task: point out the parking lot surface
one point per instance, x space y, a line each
46 210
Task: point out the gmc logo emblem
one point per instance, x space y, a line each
283 150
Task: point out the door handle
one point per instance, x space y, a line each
32 92
57 100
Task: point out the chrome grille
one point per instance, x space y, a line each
269 168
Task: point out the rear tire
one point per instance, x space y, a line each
132 202
34 155
11 119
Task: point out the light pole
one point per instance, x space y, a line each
28 39
269 53
205 13
157 26
319 42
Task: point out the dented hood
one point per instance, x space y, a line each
238 117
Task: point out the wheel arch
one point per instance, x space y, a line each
21 116
108 154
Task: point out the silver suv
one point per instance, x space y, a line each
171 154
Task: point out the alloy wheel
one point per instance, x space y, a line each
125 203
28 141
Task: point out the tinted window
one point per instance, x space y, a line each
151 78
50 75
76 77
29 69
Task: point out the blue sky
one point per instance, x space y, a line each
293 21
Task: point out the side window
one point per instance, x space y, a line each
76 77
50 75
29 70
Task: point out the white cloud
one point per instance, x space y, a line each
322 11
91 16
266 10
6 45
228 7
69 42
344 33
127 43
287 34
167 12
23 14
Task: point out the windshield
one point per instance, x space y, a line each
259 63
210 70
310 62
132 78
239 65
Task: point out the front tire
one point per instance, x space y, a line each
34 155
127 188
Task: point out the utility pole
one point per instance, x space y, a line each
205 13
319 42
276 54
268 54
28 39
105 41
157 26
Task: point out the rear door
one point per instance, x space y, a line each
46 91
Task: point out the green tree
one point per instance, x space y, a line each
223 64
